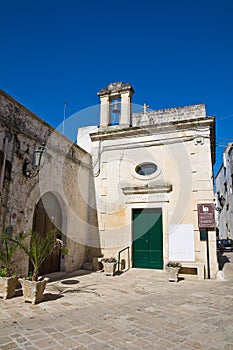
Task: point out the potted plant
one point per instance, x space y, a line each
37 248
109 265
8 279
172 268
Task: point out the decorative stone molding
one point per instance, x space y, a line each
116 87
147 189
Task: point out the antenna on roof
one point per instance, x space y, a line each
64 118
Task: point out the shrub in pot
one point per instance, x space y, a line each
37 248
172 268
109 265
8 279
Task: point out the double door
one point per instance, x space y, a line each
147 238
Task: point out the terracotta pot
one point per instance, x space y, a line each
8 286
33 291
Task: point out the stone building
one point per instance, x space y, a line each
224 195
130 189
58 194
151 169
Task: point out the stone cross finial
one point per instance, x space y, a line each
145 106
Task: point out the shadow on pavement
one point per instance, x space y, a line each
51 296
61 275
222 260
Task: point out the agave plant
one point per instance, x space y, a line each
7 251
38 248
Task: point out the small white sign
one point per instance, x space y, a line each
181 242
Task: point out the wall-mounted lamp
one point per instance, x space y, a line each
32 169
38 155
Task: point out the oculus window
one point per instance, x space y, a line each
146 169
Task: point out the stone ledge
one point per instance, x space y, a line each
200 267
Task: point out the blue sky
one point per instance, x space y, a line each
173 53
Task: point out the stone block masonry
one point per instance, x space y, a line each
66 174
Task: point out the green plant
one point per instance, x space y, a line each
38 248
111 260
7 251
4 273
173 264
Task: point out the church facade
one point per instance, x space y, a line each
151 170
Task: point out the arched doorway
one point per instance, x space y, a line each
48 216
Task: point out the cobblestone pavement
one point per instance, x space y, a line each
136 310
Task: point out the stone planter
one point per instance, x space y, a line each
8 286
33 291
109 268
172 273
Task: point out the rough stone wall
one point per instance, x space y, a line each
66 173
169 115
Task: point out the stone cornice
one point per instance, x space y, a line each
116 132
116 87
147 189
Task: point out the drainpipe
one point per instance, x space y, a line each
207 253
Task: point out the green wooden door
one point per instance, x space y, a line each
147 238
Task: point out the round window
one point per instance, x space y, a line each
146 169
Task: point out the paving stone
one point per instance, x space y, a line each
152 314
5 340
9 346
194 344
84 339
45 342
228 347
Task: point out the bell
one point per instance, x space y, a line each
115 108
